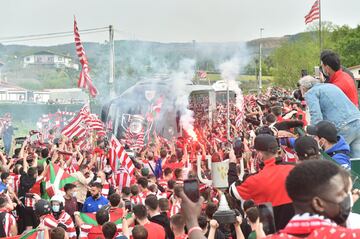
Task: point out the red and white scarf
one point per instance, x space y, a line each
306 224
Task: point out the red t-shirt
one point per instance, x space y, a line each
174 166
95 232
344 81
272 180
155 231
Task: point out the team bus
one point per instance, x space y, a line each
152 105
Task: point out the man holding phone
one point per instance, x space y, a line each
268 185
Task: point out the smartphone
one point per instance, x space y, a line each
317 71
266 214
191 189
128 206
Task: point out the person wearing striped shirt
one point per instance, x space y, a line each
143 188
167 175
135 198
9 226
43 211
57 208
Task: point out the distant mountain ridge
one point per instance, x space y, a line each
133 59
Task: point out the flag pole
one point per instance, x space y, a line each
320 35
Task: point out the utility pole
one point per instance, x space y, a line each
228 109
195 67
260 71
111 62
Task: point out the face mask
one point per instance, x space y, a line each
56 208
96 196
74 194
344 211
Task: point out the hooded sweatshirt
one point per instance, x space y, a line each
340 153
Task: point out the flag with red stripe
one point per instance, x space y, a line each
202 74
84 81
134 140
314 12
238 119
119 158
77 127
56 179
123 179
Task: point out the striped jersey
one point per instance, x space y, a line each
66 219
9 221
49 221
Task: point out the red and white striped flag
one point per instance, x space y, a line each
94 122
133 140
77 127
202 74
84 78
238 119
119 158
123 179
314 12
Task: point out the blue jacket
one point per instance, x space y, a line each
340 153
328 102
93 205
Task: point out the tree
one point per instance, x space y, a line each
300 52
347 45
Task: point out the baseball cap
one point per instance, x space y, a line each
306 146
266 142
323 129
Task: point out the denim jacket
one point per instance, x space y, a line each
328 102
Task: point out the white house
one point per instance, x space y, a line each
12 93
41 96
67 96
356 71
47 58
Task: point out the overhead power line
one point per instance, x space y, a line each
47 37
50 35
53 33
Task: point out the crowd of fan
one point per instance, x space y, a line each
299 163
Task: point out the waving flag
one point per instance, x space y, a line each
238 119
82 125
202 74
135 141
56 178
84 78
119 158
77 127
88 218
314 12
123 179
32 234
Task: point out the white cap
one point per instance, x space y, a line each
58 198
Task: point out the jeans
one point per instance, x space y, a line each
351 133
7 145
